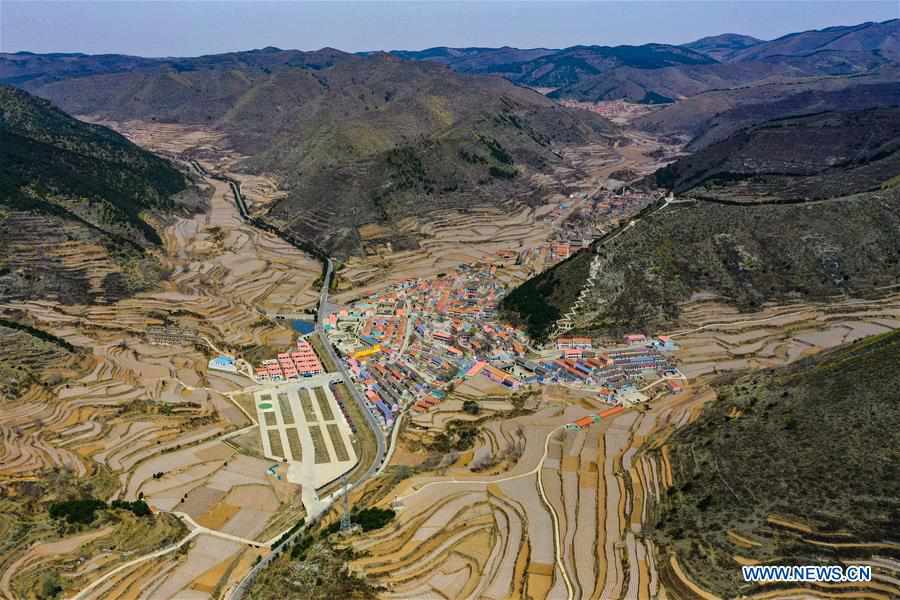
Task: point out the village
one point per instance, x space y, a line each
410 345
580 221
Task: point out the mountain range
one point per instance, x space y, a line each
353 140
374 138
654 73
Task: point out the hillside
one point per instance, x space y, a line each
475 60
70 190
362 141
571 65
796 465
810 157
30 70
712 116
661 73
751 238
745 255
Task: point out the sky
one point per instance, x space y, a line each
194 27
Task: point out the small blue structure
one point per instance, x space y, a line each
303 327
223 363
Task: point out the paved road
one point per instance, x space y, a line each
239 591
372 422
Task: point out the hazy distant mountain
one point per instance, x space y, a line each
612 67
659 72
27 69
22 67
71 191
571 65
355 140
881 39
475 60
722 47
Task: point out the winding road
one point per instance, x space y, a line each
238 592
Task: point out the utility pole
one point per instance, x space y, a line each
345 518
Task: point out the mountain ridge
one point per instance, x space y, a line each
798 209
356 140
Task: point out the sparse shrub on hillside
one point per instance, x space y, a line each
502 173
139 508
50 586
373 518
814 442
497 151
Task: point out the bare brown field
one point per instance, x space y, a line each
153 417
588 491
716 337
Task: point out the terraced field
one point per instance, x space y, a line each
718 338
493 534
134 418
534 510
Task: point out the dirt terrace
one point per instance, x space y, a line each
153 420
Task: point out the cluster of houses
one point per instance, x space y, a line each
301 362
613 372
407 343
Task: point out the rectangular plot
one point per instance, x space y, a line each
306 402
275 442
293 437
320 450
265 398
271 421
286 413
324 404
338 442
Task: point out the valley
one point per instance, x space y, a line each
135 420
460 323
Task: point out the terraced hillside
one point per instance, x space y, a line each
100 411
796 209
354 141
797 462
746 256
75 205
